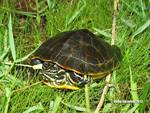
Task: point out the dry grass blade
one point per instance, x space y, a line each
22 65
26 87
105 90
108 77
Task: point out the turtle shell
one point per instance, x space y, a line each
80 51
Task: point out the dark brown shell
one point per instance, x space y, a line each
80 51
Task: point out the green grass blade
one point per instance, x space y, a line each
8 95
106 34
128 22
11 39
131 8
76 14
145 94
77 108
133 89
107 107
142 28
5 40
26 57
24 13
142 7
51 106
39 106
56 104
29 14
133 110
4 54
50 3
5 45
87 100
125 108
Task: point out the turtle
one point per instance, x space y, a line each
72 59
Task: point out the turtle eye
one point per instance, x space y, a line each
45 64
35 61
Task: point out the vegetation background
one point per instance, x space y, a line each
25 24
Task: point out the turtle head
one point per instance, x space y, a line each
45 66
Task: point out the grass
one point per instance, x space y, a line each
20 36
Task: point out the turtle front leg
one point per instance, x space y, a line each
79 80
